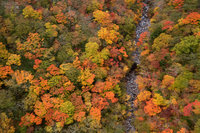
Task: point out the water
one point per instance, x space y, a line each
131 86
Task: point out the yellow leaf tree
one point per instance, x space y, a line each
14 59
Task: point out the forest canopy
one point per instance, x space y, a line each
63 66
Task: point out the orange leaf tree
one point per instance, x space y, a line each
151 109
32 48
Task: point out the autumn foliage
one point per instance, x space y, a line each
192 107
63 66
28 11
32 48
176 3
192 18
168 25
151 109
167 81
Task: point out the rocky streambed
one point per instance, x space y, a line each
131 86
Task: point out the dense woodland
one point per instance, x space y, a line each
169 77
63 65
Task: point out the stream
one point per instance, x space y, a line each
131 86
